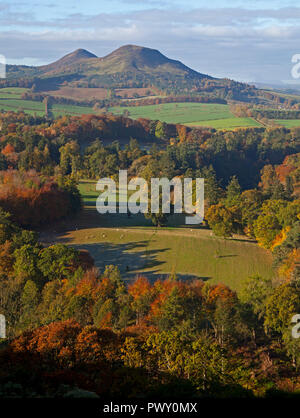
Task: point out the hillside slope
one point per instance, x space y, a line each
68 60
130 66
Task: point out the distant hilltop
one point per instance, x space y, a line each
129 66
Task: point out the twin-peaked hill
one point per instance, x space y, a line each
128 58
127 67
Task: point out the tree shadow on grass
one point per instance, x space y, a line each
152 276
226 256
89 218
130 257
248 240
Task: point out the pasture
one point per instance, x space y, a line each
177 112
288 123
99 93
228 123
212 115
139 248
10 100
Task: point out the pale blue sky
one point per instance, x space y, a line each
251 41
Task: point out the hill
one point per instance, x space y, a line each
127 59
69 59
130 66
135 59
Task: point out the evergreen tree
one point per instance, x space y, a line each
233 192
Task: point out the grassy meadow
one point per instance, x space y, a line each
177 112
10 100
213 115
288 123
228 123
139 248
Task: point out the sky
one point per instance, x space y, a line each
248 41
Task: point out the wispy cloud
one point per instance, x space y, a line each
236 42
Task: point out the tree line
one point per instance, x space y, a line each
65 318
73 328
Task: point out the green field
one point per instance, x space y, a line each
178 112
192 114
10 99
213 115
139 248
288 123
228 123
11 92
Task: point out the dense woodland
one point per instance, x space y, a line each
73 328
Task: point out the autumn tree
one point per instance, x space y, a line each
223 221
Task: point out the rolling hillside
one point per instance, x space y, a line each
66 61
130 66
127 59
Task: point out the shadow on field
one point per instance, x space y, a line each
129 257
226 256
90 218
251 241
152 276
